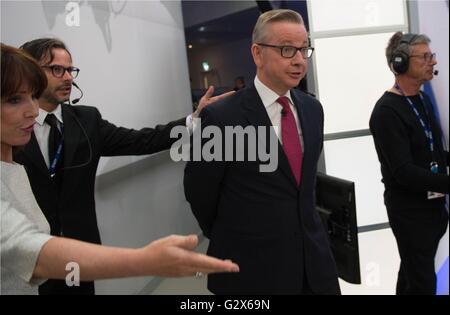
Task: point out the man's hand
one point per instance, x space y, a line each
207 99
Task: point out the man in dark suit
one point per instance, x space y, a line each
62 157
266 221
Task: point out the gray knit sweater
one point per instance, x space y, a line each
24 230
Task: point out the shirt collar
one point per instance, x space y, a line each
40 119
268 96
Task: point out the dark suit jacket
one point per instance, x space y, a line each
264 222
70 208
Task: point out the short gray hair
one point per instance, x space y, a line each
396 45
281 15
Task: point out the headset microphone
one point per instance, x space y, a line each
436 72
77 99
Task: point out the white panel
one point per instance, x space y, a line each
355 159
133 210
352 74
379 263
332 15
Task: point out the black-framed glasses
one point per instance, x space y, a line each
290 51
58 71
427 57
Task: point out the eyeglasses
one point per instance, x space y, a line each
58 71
290 51
427 57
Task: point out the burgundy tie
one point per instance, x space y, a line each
291 139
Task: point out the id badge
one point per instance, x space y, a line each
434 195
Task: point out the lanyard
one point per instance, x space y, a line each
58 153
426 127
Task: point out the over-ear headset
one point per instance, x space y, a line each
400 57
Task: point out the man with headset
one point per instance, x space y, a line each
62 157
409 145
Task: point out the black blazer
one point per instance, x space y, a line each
263 221
70 205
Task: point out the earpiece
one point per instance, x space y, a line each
400 59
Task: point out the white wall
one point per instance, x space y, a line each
140 203
344 15
134 69
351 78
131 55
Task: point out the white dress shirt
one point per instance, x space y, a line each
273 108
42 130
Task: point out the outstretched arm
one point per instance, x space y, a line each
167 257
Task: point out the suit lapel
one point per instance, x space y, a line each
71 135
257 115
303 115
254 109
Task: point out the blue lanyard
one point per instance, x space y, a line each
426 127
58 153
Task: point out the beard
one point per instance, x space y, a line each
52 98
